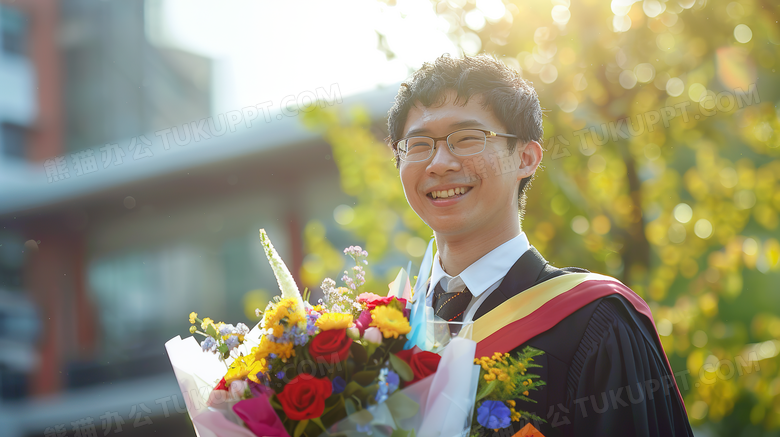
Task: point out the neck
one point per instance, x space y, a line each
457 252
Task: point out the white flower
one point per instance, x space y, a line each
283 277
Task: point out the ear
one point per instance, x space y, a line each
529 156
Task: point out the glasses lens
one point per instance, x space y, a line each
415 148
467 142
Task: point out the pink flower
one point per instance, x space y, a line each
372 300
368 297
373 335
260 417
363 321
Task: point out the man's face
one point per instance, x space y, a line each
490 200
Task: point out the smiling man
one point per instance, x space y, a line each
466 135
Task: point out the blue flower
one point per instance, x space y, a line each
339 385
388 383
364 428
494 415
280 375
393 381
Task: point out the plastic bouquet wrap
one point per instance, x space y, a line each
353 364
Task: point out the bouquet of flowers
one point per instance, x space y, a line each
354 363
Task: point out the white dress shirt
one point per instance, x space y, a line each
482 277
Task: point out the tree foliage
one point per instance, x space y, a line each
661 169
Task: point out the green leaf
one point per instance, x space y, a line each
318 421
486 390
402 406
362 417
211 331
366 377
399 433
349 406
359 354
300 427
401 368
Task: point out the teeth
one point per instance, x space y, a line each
448 193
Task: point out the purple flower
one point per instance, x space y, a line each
209 345
494 415
258 390
232 342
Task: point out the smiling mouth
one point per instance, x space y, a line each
453 192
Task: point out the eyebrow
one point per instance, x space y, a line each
459 125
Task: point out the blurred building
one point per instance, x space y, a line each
124 205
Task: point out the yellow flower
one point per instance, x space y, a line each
489 377
343 290
511 403
330 321
206 322
193 328
245 367
390 321
525 393
267 347
286 310
193 316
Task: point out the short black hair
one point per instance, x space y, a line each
511 98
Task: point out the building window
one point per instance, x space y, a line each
13 139
13 30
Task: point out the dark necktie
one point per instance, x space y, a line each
450 306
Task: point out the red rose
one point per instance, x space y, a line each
423 363
304 397
332 346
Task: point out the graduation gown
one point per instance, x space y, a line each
604 367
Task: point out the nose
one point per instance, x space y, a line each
443 160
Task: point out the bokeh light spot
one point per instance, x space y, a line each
742 33
702 228
416 246
579 224
675 86
644 72
597 163
627 79
683 213
676 233
343 214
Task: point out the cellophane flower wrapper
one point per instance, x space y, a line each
198 373
441 404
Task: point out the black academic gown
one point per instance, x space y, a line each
605 371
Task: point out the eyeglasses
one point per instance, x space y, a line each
462 142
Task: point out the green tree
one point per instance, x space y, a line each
661 169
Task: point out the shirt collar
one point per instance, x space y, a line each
485 271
